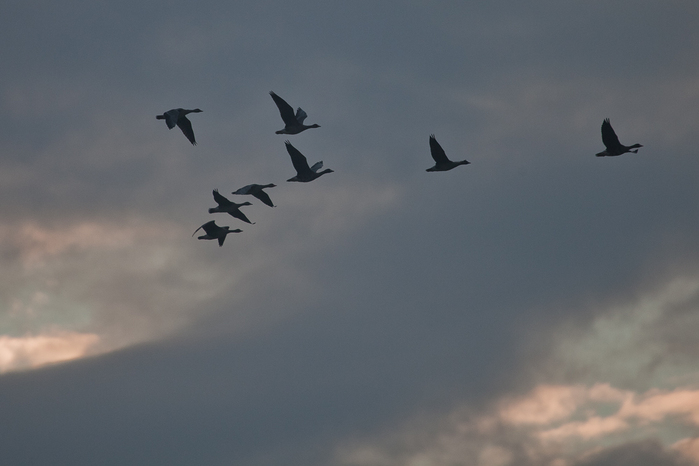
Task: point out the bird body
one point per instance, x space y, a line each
442 162
304 174
177 117
293 121
256 190
611 142
224 205
214 231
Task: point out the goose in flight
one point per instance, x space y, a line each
214 231
304 174
293 122
224 205
256 190
176 116
442 162
611 142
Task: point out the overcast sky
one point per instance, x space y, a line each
539 306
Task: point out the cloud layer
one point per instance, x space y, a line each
536 307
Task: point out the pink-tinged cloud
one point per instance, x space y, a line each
689 448
591 428
545 404
34 351
548 405
656 405
36 242
551 403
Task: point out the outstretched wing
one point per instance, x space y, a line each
438 153
264 197
317 166
171 117
297 158
240 216
209 228
220 200
300 115
244 189
186 127
609 137
285 109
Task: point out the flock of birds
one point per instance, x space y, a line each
294 124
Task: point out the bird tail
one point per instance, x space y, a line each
213 210
601 154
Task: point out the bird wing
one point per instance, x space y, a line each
438 153
220 199
609 137
264 197
209 228
244 189
239 215
300 115
186 127
171 117
317 166
297 158
285 109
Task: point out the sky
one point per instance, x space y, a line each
538 307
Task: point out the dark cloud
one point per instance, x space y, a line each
287 393
373 294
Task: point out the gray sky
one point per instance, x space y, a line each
537 307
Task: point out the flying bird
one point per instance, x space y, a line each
224 205
303 173
256 190
442 162
214 231
176 116
293 122
611 142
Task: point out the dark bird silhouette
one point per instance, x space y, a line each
293 122
303 173
442 163
256 190
611 142
214 231
176 116
224 205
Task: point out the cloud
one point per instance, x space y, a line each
541 428
544 405
566 424
379 311
591 428
38 350
689 448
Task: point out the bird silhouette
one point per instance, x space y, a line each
611 142
304 174
224 205
214 231
256 190
442 162
177 117
293 122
